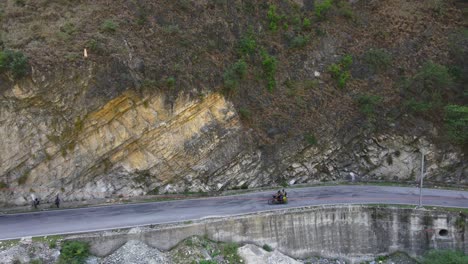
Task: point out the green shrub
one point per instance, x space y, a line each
320 32
189 241
367 104
378 59
266 247
346 61
456 72
95 46
240 68
229 251
35 261
306 24
310 139
344 8
53 244
109 26
234 74
335 70
74 252
3 185
296 20
418 107
170 82
434 75
269 64
343 79
247 44
445 257
430 82
68 28
456 122
245 113
340 71
273 18
322 8
299 41
14 62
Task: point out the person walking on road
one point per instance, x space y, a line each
57 201
36 203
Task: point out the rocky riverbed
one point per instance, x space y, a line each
192 250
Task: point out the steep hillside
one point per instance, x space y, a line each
208 95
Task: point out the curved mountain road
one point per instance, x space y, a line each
129 215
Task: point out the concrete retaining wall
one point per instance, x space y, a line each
355 233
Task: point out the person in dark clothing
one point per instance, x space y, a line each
36 202
57 201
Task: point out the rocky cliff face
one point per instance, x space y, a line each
136 145
204 96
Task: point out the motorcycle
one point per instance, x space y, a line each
277 200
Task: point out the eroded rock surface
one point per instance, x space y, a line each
255 255
136 252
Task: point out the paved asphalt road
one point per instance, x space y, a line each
119 216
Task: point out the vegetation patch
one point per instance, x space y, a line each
378 59
234 74
416 106
456 123
73 252
429 83
445 257
340 71
9 243
13 62
51 241
229 252
306 24
344 9
310 139
269 64
170 82
245 114
299 41
67 30
322 8
109 26
248 44
203 250
273 17
367 105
